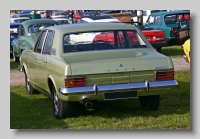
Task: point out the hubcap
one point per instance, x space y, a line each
27 84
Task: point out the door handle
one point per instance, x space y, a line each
45 61
35 58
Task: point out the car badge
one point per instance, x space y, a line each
120 65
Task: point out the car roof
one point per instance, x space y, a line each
20 18
90 27
61 19
170 12
99 17
14 25
38 21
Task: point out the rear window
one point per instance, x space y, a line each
38 27
172 19
102 40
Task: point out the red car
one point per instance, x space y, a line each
155 37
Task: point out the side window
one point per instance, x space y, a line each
157 21
48 43
151 20
40 42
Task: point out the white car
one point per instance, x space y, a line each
19 19
88 37
62 21
91 19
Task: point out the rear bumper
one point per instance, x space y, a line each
159 44
97 91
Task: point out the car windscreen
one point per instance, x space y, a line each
102 40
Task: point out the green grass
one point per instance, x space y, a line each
36 111
14 65
173 51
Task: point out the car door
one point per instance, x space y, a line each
33 59
43 60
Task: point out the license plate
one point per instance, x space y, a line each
148 38
120 95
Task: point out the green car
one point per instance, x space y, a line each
70 64
171 23
28 33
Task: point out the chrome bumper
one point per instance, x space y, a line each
117 87
185 57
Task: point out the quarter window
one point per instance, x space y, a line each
40 42
48 43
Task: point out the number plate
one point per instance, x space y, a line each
148 38
120 95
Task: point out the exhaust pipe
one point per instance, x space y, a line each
86 103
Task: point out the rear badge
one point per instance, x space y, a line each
120 65
160 67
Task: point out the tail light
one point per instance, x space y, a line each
75 82
164 75
171 31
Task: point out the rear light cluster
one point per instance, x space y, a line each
171 31
164 75
75 82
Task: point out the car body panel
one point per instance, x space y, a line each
107 68
186 49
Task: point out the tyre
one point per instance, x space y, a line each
15 58
61 108
29 88
159 50
150 103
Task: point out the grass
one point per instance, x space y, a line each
36 111
14 65
171 51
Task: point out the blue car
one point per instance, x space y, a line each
13 34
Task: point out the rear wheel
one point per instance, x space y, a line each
61 108
29 88
150 103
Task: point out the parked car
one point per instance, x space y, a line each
62 21
170 22
85 71
186 49
19 19
59 15
13 35
155 37
28 34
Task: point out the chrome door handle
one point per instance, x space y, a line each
45 61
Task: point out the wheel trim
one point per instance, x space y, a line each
55 101
27 84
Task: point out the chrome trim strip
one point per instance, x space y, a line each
115 87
